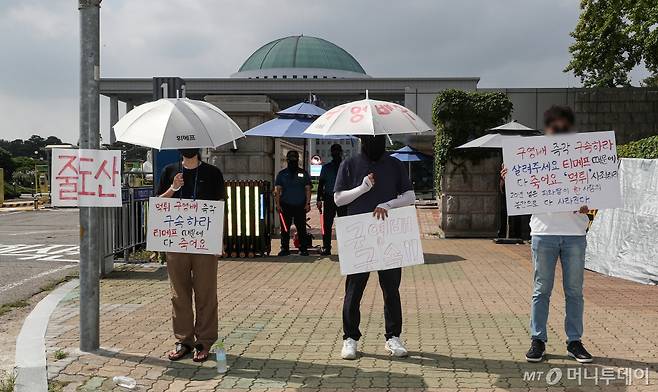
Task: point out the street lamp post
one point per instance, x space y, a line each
90 226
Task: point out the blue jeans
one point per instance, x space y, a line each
545 252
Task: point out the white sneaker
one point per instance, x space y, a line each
395 347
349 349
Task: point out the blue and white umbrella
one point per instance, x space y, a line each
408 154
288 128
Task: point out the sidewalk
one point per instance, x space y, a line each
466 326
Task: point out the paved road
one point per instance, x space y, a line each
36 248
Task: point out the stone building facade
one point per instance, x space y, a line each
469 198
631 112
254 157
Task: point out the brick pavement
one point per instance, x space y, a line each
466 326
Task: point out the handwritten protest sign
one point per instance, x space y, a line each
561 172
86 178
367 244
185 226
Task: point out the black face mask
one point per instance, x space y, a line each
337 156
373 146
561 130
293 164
189 152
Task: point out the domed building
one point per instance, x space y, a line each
300 57
277 75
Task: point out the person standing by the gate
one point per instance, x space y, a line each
325 197
373 182
193 274
293 201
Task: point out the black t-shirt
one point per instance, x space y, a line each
391 180
208 179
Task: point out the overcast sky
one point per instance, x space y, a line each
510 43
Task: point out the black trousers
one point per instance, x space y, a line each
329 211
389 281
295 214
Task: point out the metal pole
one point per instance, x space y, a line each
90 229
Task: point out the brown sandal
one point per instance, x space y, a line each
201 354
179 352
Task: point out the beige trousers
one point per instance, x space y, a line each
193 274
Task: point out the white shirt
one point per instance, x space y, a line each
559 223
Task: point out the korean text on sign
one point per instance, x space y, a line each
86 178
561 173
367 244
185 226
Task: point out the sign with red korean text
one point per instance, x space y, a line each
85 178
368 244
561 173
185 226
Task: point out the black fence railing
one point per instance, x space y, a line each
124 228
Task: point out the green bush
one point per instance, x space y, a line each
11 192
644 148
460 116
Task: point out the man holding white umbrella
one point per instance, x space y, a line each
371 182
186 125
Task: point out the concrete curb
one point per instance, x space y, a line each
15 204
31 373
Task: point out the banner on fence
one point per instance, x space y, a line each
85 178
561 173
185 226
367 244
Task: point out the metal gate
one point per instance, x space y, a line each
248 231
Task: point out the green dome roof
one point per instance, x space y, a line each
301 52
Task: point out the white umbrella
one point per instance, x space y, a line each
367 117
495 138
175 123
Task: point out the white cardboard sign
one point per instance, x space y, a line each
85 178
367 244
185 226
561 172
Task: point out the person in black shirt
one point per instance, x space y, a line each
325 197
373 182
193 274
293 201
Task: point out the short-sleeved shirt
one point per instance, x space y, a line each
294 186
327 179
208 178
391 180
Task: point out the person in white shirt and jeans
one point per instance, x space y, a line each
558 235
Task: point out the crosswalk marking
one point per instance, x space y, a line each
42 252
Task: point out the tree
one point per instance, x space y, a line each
611 38
52 140
24 163
651 81
6 163
27 148
460 116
